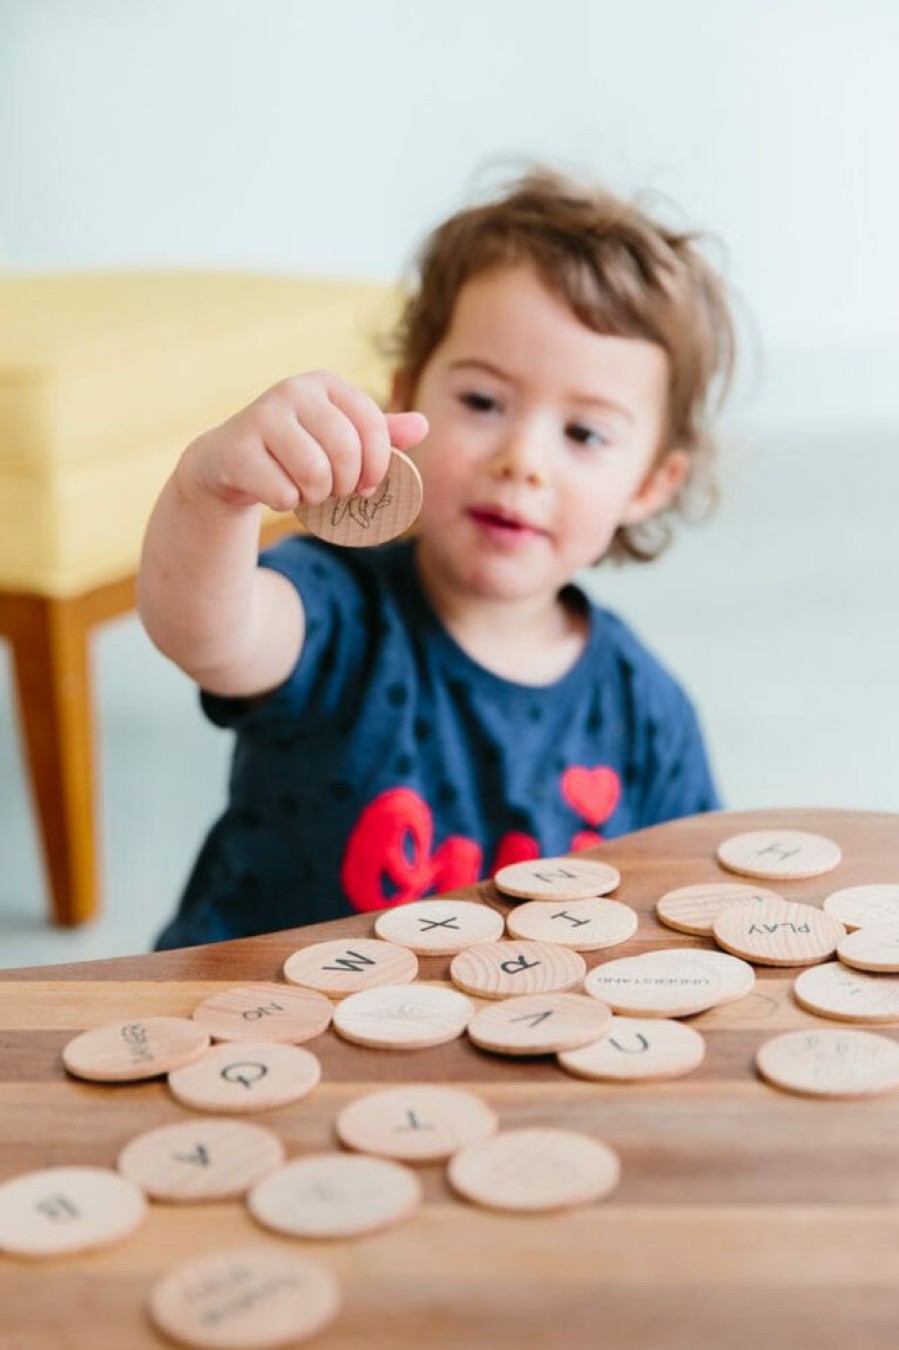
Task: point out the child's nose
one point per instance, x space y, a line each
521 457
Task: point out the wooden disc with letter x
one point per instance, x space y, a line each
556 879
439 927
271 1012
779 855
501 969
350 964
362 522
416 1123
201 1159
539 1024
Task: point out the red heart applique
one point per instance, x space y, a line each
593 793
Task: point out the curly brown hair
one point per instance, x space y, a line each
621 273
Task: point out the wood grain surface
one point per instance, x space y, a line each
745 1217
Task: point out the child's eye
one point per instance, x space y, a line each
582 434
478 402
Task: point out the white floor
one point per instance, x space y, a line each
780 615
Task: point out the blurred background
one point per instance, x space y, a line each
288 136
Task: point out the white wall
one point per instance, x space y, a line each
310 136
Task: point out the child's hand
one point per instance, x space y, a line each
307 438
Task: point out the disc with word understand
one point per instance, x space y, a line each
275 1012
67 1209
874 947
779 933
833 990
501 969
737 976
539 1024
126 1052
416 1123
638 1050
246 1076
362 522
858 906
403 1016
350 964
657 984
333 1195
831 1063
693 909
246 1298
779 855
439 927
531 1170
200 1159
556 879
583 925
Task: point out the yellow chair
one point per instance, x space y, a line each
103 379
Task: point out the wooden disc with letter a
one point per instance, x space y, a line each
361 522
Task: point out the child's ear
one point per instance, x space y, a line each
658 488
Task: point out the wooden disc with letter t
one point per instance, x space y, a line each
362 522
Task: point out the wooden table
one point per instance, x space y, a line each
746 1217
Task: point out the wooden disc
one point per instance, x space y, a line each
779 933
834 1062
539 1024
403 1016
350 964
532 1170
246 1076
270 1012
583 925
737 976
556 879
362 522
858 906
126 1052
501 969
416 1123
779 855
638 1049
246 1298
657 984
200 1160
874 947
833 990
333 1195
67 1209
439 927
694 909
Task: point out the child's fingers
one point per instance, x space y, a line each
406 429
370 425
304 459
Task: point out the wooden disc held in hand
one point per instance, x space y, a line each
362 522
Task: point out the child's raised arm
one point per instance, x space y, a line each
232 626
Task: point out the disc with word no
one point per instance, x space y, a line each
638 1049
831 1063
331 1195
657 984
361 522
200 1159
787 855
439 927
535 1169
418 1123
350 964
246 1298
556 879
501 969
67 1209
246 1076
275 1012
779 933
403 1016
539 1024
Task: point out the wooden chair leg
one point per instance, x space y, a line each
49 640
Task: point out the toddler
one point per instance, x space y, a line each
411 717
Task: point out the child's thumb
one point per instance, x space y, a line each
406 429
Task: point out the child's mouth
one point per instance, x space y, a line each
498 522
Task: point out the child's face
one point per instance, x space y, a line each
543 440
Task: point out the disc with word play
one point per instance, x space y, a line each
779 933
556 879
638 1050
332 1195
245 1298
583 925
246 1076
416 1123
273 1012
350 964
200 1159
534 1170
772 855
126 1052
439 927
501 969
67 1209
403 1016
361 522
539 1024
